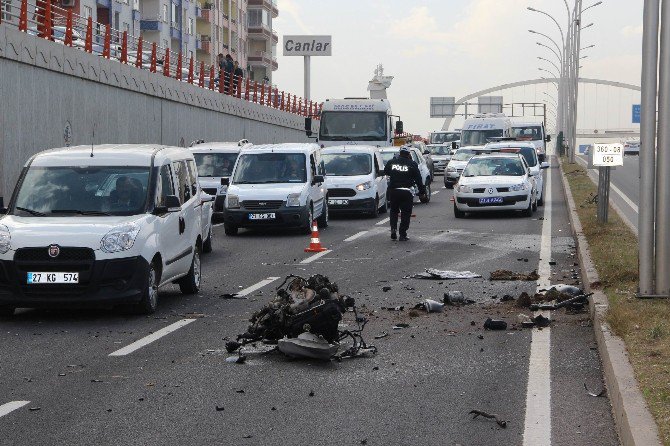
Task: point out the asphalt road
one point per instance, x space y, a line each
418 389
624 186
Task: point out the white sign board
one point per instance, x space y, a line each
607 155
442 107
308 46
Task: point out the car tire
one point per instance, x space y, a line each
307 228
428 195
529 211
535 204
385 207
6 311
149 301
325 215
207 246
458 213
540 201
375 211
230 230
190 283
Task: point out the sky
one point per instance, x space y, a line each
457 47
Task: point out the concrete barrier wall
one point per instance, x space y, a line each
46 88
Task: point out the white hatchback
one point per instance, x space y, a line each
495 182
101 226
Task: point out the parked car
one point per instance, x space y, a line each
215 161
388 153
441 155
457 163
529 151
102 226
276 185
423 150
493 182
355 179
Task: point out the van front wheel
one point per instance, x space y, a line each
190 283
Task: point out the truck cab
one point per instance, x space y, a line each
357 121
484 128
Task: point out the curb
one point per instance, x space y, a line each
634 423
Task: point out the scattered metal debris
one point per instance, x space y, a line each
494 324
303 319
240 359
576 302
232 296
381 335
456 298
505 274
398 308
436 274
502 423
386 289
541 321
400 326
219 408
34 409
595 395
430 306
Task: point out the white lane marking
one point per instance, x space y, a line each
537 423
259 285
217 225
315 256
618 191
11 407
383 222
435 192
151 338
355 236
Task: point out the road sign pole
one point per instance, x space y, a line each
663 160
307 78
647 148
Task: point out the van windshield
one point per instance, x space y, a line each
441 138
262 168
479 137
82 190
463 154
215 164
439 150
347 164
352 126
531 133
388 156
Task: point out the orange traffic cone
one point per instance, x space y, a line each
315 242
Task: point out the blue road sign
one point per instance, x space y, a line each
636 113
582 148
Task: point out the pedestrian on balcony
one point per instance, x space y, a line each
238 75
228 69
221 62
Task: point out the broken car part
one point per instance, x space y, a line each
436 274
431 306
307 345
504 274
476 413
494 324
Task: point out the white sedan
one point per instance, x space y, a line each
495 182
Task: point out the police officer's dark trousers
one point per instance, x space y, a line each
401 201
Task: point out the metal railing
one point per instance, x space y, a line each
43 20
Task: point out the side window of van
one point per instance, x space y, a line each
193 176
165 185
182 180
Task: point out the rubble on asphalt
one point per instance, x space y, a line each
504 274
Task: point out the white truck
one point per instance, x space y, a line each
532 132
358 121
484 128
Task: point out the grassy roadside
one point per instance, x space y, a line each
644 325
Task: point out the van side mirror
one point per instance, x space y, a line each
308 126
454 145
172 203
548 138
399 127
225 181
426 152
318 179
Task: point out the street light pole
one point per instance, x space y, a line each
648 147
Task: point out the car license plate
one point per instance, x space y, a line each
53 278
268 216
338 202
491 200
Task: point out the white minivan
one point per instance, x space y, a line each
101 226
355 179
215 161
276 185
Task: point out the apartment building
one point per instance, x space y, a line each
262 40
170 24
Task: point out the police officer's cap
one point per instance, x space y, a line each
405 149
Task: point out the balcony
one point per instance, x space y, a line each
270 5
104 3
155 24
204 14
175 33
264 59
260 32
275 37
203 42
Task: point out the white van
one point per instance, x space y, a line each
355 179
388 153
532 132
215 161
484 128
276 185
101 226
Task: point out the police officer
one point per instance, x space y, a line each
403 173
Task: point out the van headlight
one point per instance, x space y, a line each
120 238
293 200
232 201
5 239
465 189
518 187
364 186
